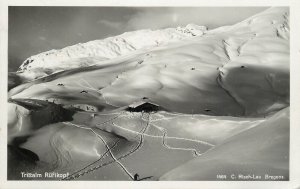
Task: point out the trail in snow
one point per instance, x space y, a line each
79 172
164 138
116 160
108 163
167 137
106 145
164 141
142 133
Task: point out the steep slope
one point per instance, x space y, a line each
93 52
25 116
196 75
259 63
19 123
14 80
262 150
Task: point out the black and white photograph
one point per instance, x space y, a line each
148 93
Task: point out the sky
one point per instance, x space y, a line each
33 30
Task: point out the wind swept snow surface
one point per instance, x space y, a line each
93 52
221 98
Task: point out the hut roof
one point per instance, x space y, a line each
143 106
139 103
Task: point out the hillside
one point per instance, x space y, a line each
215 99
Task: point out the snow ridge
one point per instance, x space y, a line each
98 50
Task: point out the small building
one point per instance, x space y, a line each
143 106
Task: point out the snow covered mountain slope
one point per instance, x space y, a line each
229 67
221 96
94 52
240 155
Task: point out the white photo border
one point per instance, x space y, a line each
294 182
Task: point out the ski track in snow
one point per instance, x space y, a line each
106 145
142 134
108 163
